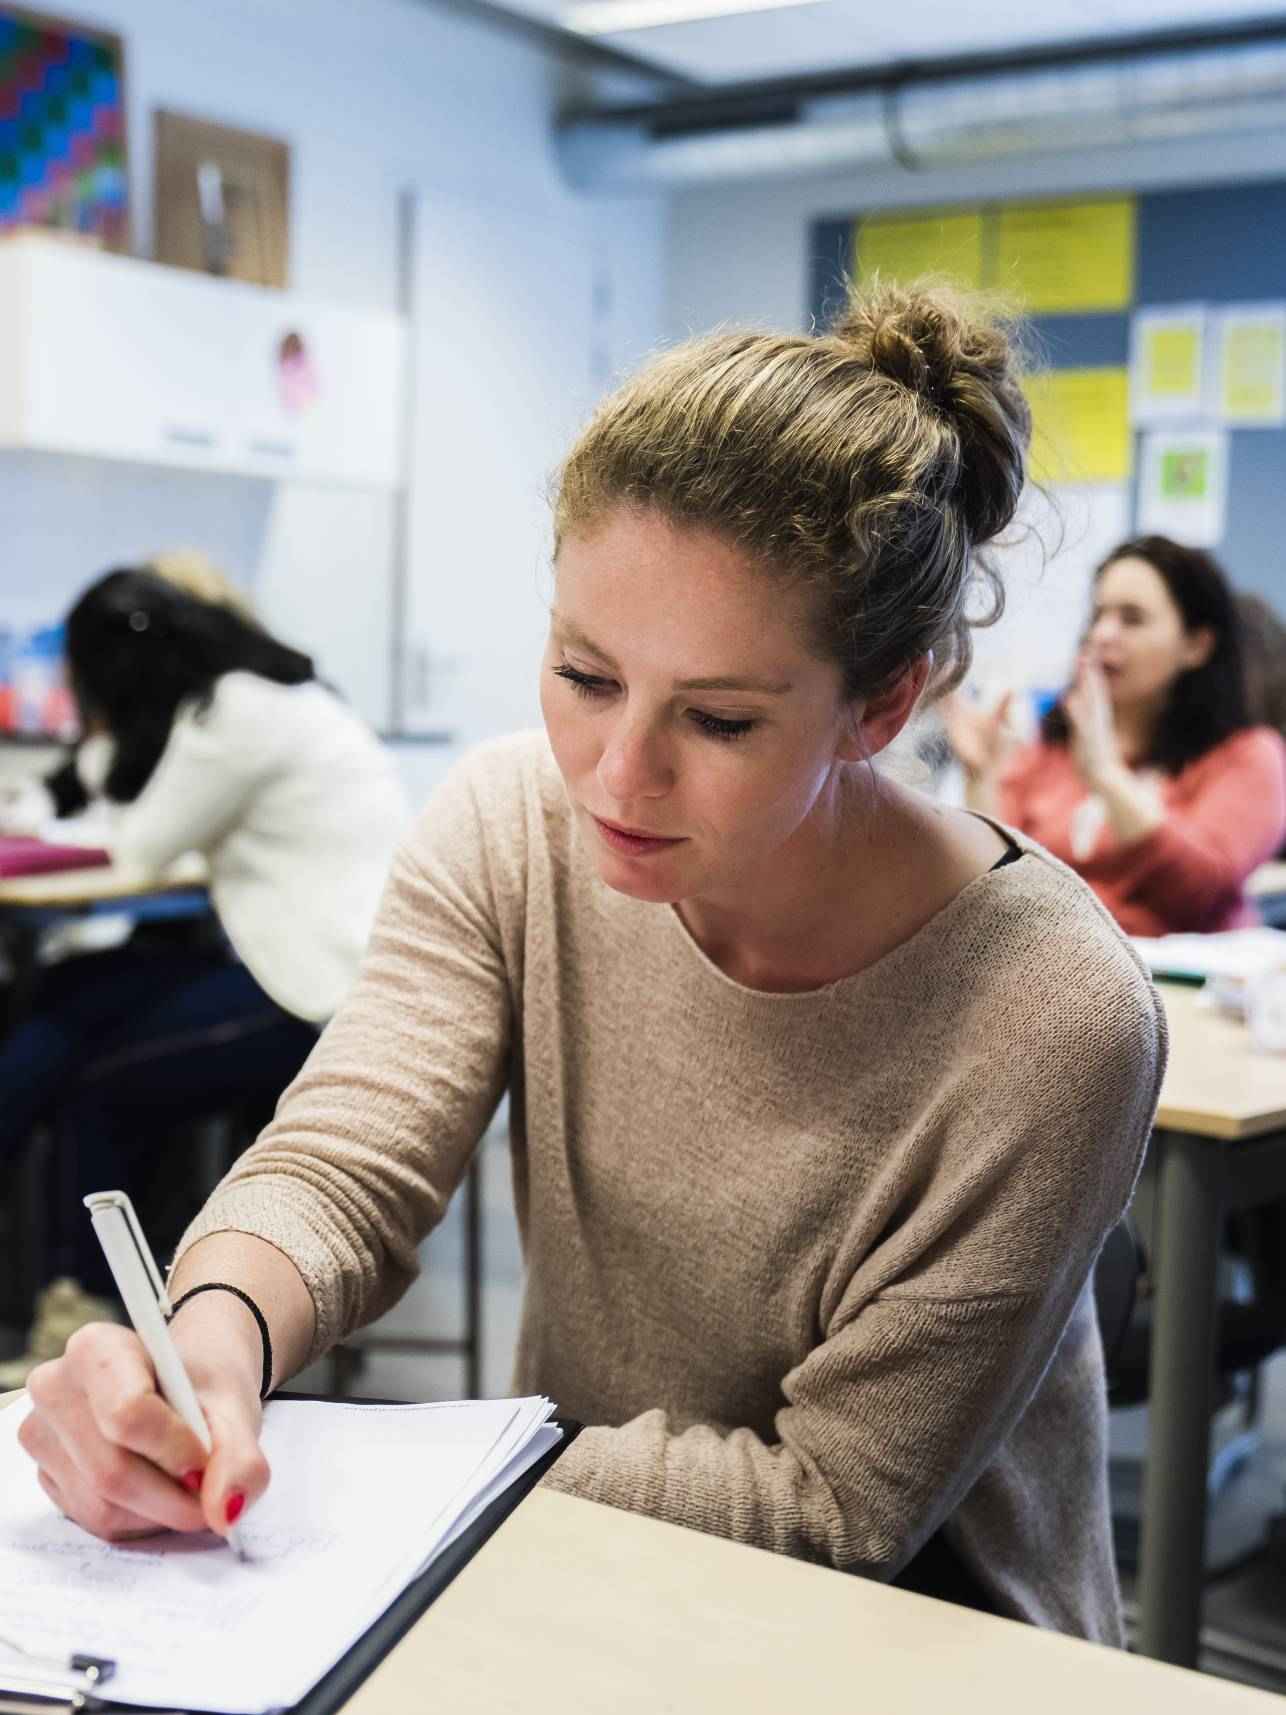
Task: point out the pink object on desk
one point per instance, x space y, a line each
38 857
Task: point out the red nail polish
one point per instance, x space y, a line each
236 1500
191 1481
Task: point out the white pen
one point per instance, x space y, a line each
138 1280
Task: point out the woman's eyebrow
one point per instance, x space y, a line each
568 632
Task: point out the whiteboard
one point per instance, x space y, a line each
1047 562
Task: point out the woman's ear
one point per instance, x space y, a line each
1198 647
877 720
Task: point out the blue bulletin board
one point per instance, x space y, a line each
1213 246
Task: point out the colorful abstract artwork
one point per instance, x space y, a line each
62 128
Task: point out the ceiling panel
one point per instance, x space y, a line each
833 35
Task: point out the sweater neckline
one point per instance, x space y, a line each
934 926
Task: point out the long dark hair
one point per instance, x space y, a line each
1207 704
137 648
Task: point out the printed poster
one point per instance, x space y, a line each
1167 365
1184 488
1250 365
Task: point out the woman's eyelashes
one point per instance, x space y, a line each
713 726
584 684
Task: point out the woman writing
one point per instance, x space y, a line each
203 733
1149 778
807 1241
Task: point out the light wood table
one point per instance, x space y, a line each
30 904
1220 1143
576 1607
107 884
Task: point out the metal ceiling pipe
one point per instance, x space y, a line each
931 122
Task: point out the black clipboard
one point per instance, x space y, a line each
339 1683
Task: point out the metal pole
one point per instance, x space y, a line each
1180 1394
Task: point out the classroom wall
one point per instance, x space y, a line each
741 253
372 98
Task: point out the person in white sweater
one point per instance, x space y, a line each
203 733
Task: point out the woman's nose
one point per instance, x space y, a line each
633 763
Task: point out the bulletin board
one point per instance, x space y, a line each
1093 275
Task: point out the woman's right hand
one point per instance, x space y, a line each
119 1461
981 738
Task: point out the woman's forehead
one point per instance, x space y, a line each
688 599
1134 580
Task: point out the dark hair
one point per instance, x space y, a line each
1263 648
137 648
1207 704
870 462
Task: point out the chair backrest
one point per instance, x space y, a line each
1116 1287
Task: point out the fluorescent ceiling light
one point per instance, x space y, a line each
615 17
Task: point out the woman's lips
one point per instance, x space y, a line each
632 844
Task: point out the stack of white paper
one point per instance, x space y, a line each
362 1498
1241 953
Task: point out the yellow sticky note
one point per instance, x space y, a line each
1080 425
904 247
1172 362
1064 257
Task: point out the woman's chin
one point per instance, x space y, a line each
637 883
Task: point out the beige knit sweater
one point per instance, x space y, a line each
813 1265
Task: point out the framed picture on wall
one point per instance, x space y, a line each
221 201
62 129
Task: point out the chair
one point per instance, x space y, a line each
1116 1290
1250 1328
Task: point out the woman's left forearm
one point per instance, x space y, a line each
1133 808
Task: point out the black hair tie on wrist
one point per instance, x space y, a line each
265 1386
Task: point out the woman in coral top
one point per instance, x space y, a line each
1148 777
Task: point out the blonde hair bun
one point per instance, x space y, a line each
958 355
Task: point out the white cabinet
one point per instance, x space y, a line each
114 358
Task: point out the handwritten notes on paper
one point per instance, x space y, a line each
362 1497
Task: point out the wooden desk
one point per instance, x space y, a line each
1216 1085
577 1607
1220 1143
30 904
74 890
